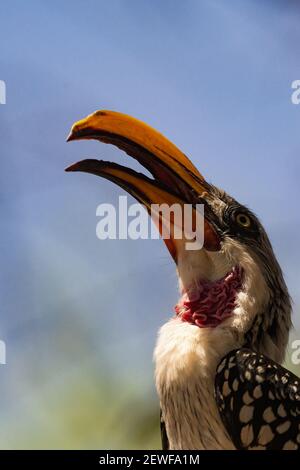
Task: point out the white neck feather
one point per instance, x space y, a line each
186 358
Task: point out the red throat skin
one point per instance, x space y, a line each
209 303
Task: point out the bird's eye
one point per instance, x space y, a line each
243 220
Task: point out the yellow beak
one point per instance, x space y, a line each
176 179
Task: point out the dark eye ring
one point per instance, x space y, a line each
243 220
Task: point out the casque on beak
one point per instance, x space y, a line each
175 178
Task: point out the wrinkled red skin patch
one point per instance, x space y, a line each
210 303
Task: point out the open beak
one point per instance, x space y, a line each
175 178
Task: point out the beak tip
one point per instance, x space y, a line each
72 167
70 137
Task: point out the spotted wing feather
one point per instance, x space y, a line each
259 401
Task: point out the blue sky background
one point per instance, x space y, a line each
80 316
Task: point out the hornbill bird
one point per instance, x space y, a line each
217 360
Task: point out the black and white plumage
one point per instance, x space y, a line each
217 362
259 402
